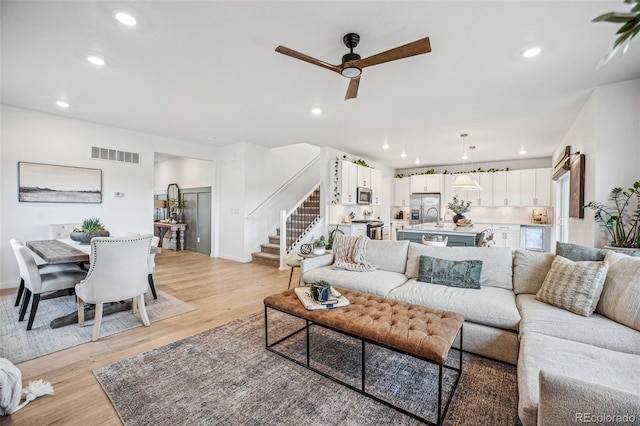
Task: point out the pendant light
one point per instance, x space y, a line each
464 181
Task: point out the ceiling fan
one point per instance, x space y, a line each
352 65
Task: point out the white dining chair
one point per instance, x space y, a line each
151 265
43 268
62 230
36 283
119 271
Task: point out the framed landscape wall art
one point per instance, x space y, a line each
48 183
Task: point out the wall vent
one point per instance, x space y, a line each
98 153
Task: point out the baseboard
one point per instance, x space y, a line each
236 259
7 285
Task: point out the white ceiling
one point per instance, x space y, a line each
207 72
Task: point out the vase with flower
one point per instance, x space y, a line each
458 207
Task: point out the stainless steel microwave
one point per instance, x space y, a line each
364 195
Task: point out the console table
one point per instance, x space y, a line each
177 232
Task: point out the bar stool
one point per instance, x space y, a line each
292 262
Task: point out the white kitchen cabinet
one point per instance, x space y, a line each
364 176
506 188
376 187
426 183
506 235
401 192
483 197
536 187
448 191
348 183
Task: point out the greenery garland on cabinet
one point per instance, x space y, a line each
445 172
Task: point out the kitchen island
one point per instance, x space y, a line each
457 235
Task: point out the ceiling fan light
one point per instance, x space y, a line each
351 72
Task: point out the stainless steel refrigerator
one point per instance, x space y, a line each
425 207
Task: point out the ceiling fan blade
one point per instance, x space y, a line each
306 58
414 48
352 90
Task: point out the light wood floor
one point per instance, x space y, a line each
220 290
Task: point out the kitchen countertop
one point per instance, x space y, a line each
448 228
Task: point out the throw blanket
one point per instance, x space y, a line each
10 387
349 252
11 391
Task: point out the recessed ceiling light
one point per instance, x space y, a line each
464 156
385 145
63 104
316 111
522 150
403 155
417 160
531 52
96 60
124 18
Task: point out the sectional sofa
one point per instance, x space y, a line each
569 366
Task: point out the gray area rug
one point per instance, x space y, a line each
226 376
18 345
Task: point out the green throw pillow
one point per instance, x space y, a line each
452 273
579 253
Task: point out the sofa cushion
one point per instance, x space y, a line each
574 286
377 282
597 330
489 305
496 261
452 273
579 253
620 299
572 359
529 270
388 255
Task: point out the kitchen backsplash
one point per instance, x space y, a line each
515 215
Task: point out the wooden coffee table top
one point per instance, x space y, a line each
418 330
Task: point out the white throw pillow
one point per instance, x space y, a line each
573 286
620 299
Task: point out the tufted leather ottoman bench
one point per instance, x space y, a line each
414 330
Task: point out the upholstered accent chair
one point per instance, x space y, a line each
43 268
119 271
36 282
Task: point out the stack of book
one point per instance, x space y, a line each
336 300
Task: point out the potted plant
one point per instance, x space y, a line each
319 246
91 227
458 207
177 206
321 291
622 219
332 236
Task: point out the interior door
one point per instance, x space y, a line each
197 216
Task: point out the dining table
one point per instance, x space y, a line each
65 250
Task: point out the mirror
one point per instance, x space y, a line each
173 191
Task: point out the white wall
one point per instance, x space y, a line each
43 138
607 131
186 172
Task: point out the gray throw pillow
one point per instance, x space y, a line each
579 253
573 286
452 273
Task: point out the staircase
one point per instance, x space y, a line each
299 223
